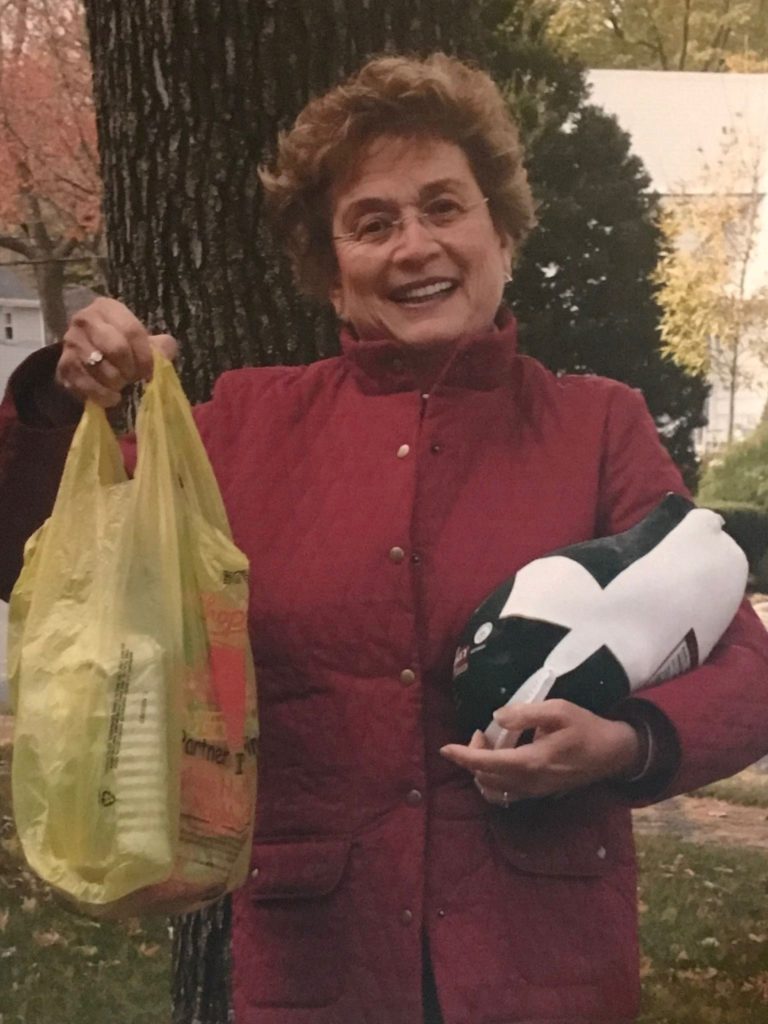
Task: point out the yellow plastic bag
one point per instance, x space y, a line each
134 767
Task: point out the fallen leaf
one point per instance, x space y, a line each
710 941
5 916
49 938
148 948
758 938
29 904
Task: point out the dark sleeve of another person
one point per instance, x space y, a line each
37 422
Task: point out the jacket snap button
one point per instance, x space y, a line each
396 554
255 873
602 852
441 913
403 450
435 448
406 917
415 558
407 676
414 798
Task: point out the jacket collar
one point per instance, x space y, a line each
477 362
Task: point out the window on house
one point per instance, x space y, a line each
8 332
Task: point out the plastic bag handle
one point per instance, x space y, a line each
166 430
94 458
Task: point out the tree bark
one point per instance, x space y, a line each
190 95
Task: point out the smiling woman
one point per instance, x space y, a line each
400 874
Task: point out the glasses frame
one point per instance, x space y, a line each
420 215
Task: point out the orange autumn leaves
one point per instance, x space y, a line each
49 171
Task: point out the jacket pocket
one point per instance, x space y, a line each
582 835
565 908
292 923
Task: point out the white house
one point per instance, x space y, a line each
21 323
676 120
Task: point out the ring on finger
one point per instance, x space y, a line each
94 358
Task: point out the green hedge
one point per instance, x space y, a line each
739 474
748 525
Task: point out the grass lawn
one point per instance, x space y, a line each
56 968
704 916
749 788
704 931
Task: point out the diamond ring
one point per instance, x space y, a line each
94 358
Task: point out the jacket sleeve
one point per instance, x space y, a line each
712 721
37 422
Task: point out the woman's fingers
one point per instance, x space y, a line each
106 348
74 378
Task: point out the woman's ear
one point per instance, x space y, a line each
336 297
508 253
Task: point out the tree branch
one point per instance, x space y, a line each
17 245
684 40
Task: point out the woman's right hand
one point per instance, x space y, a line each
105 349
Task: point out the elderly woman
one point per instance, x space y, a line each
400 876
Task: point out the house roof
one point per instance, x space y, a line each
12 286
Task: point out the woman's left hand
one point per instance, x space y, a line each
571 748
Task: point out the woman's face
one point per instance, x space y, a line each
426 280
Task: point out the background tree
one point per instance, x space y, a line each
666 35
714 312
582 290
50 187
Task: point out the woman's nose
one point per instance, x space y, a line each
414 238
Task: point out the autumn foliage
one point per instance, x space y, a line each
48 139
50 189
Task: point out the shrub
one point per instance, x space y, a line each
740 474
748 525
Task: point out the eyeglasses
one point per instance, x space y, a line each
437 215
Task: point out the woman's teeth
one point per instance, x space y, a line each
426 291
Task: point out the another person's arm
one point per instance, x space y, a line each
42 407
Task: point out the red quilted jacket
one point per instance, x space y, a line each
377 512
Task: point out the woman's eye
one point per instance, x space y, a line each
444 209
372 227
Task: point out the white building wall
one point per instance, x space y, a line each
676 120
21 332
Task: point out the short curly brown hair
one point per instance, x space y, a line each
402 96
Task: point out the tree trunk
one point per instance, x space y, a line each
190 95
49 277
